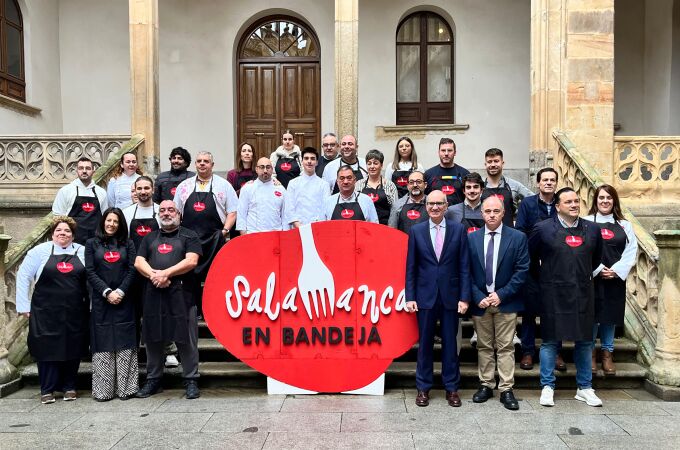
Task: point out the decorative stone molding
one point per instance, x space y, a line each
346 69
390 132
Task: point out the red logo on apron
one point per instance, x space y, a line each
606 233
199 206
402 181
347 213
64 267
87 207
164 248
472 229
373 197
243 183
277 193
173 190
448 190
413 214
573 241
286 166
111 257
143 230
501 197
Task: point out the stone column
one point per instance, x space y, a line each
346 66
144 79
8 373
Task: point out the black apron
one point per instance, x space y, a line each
200 215
287 168
471 225
451 186
57 327
566 284
166 310
169 187
610 295
87 212
379 197
400 180
112 327
505 195
348 210
241 180
141 227
358 174
411 214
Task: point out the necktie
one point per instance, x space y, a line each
438 242
489 260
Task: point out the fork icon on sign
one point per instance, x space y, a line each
315 280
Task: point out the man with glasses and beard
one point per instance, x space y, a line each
329 152
410 209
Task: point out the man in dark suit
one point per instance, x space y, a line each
437 288
499 263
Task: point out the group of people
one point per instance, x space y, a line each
140 251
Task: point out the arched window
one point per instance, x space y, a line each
424 70
12 82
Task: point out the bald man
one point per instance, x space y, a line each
348 157
261 204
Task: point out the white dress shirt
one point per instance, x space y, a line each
496 246
63 202
330 172
119 190
365 203
305 198
223 193
261 207
622 266
142 212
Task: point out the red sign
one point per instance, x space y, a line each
173 190
64 267
143 230
111 257
87 207
573 241
472 229
413 214
402 181
312 307
606 233
164 248
448 189
278 193
286 166
347 213
199 206
373 196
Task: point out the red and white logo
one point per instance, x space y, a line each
278 193
347 213
472 229
573 241
402 181
606 233
87 207
173 190
413 214
164 248
111 257
373 196
448 189
64 267
501 197
199 206
286 166
301 308
143 230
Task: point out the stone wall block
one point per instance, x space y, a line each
596 22
574 5
590 46
591 69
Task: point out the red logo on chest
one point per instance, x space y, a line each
111 257
143 230
501 197
472 229
87 207
164 248
606 233
173 190
286 166
448 189
199 206
64 267
347 213
573 241
402 181
278 193
373 197
413 214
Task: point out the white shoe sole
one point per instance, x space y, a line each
582 399
552 403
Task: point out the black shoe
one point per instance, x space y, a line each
483 394
150 388
509 401
192 389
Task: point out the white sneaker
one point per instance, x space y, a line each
516 340
588 396
171 361
473 339
547 396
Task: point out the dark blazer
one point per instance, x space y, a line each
511 270
426 278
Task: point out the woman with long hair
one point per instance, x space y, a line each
405 161
125 174
286 159
245 167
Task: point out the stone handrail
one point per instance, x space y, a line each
13 328
642 314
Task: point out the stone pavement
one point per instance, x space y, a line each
245 419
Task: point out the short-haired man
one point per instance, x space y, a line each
447 176
348 157
348 204
167 182
509 190
261 204
142 217
469 212
82 200
566 250
499 262
410 209
167 258
329 152
306 194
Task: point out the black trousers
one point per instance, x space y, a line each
58 376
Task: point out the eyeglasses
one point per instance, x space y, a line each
412 182
348 144
330 145
490 211
433 204
264 167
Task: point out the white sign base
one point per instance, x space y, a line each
275 387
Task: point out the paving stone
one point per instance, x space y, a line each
18 404
87 405
648 425
291 422
457 420
491 405
600 442
608 407
352 441
437 441
27 392
672 408
122 421
568 394
198 441
227 404
56 441
35 422
344 404
495 423
642 395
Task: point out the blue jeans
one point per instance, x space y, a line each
582 354
527 333
606 336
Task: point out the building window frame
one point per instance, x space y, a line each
12 85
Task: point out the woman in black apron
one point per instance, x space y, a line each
109 261
618 257
286 159
244 168
405 161
382 191
57 311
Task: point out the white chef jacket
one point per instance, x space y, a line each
627 261
261 207
119 190
63 202
305 199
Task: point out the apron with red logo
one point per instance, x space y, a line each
169 188
348 210
57 327
112 327
400 180
411 214
610 295
287 169
567 293
379 197
141 227
86 212
470 224
504 193
451 186
358 173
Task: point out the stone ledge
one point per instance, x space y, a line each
11 387
19 106
396 131
665 393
